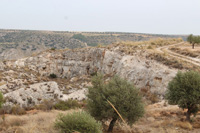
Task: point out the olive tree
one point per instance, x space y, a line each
193 40
118 92
184 91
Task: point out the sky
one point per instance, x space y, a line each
137 16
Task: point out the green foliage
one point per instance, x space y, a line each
77 122
53 76
1 99
193 39
65 105
92 44
53 49
123 95
190 38
79 37
184 91
47 105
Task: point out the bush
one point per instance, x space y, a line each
79 37
65 105
149 47
92 44
53 49
184 91
121 94
53 76
77 122
45 105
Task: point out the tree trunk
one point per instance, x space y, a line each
188 115
112 123
193 46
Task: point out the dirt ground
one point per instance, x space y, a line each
162 118
189 47
158 118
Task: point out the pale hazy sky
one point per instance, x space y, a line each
143 16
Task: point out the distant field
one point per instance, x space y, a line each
16 44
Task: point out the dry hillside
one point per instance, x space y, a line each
31 85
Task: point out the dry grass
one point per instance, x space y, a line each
130 47
33 122
184 125
159 117
172 62
2 83
186 52
196 125
153 42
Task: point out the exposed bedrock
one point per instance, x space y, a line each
67 64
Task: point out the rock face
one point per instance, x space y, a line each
33 94
36 93
25 81
72 63
28 89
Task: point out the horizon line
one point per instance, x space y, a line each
96 32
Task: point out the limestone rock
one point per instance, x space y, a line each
73 63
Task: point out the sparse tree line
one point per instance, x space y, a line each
193 40
118 100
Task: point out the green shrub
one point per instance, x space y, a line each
65 105
123 96
53 49
184 91
93 73
149 47
77 122
92 44
79 37
53 76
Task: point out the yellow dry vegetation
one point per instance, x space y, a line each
184 125
153 42
2 83
32 122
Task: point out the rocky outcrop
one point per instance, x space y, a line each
27 88
72 63
34 94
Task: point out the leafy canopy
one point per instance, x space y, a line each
184 91
122 94
80 37
77 122
193 39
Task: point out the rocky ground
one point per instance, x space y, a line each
29 81
27 88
